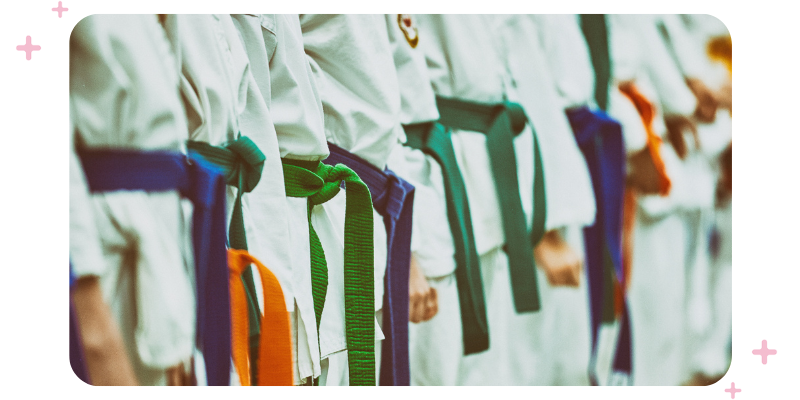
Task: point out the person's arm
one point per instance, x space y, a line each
558 260
106 359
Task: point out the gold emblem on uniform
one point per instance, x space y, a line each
409 30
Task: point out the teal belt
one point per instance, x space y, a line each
500 123
435 141
241 162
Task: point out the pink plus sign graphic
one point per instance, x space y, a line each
60 9
764 352
28 48
733 390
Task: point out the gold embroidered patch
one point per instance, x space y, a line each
409 30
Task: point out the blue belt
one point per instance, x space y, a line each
393 198
600 139
204 185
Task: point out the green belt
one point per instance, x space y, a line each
435 141
242 163
319 183
595 30
539 196
500 123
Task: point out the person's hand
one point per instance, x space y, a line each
707 104
422 301
558 260
642 174
178 376
676 126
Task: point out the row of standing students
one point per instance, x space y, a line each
391 199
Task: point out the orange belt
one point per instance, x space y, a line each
647 112
275 353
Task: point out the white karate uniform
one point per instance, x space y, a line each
435 346
352 63
279 65
688 49
224 101
124 95
467 66
660 236
714 352
713 355
542 51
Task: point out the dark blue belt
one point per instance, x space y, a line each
393 198
600 140
204 185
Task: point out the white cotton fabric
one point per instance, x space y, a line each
515 340
655 296
710 352
702 307
351 61
551 75
124 95
431 239
435 346
565 343
223 102
674 271
570 197
85 251
568 57
629 60
279 65
471 67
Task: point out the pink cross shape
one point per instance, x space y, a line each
60 9
28 48
764 352
733 390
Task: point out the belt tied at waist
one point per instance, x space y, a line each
393 198
434 140
319 183
500 123
242 162
600 139
204 185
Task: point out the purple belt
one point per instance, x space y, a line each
204 185
600 140
393 198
